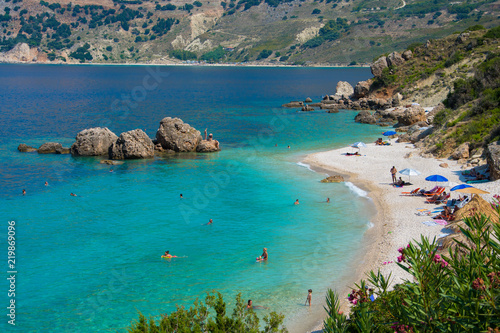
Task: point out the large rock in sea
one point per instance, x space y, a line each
293 104
24 148
175 135
132 145
50 148
344 89
493 159
361 89
206 146
412 115
365 117
93 142
378 66
395 59
462 152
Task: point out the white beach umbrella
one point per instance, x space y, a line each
410 172
358 144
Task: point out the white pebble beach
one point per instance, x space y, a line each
396 222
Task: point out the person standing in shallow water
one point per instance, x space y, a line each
393 173
309 297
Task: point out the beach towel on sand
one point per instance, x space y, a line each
435 223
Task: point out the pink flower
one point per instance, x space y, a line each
400 250
355 302
400 258
444 264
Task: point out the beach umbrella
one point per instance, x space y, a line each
389 133
460 187
409 172
436 178
358 145
471 190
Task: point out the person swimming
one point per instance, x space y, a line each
73 194
264 255
296 202
210 222
168 255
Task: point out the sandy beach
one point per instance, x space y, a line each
396 222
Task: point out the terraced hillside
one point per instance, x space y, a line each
265 31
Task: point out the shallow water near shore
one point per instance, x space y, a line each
90 263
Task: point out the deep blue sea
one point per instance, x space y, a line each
91 263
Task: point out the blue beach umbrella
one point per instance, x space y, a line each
436 178
460 187
389 133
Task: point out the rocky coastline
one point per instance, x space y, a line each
173 136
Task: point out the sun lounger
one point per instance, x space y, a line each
478 181
414 192
438 201
439 191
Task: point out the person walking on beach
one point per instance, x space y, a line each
309 297
393 173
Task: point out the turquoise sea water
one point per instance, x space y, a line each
90 263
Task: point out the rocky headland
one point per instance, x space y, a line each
439 95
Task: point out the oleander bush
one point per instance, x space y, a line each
211 317
454 292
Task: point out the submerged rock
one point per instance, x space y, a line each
333 179
293 104
93 142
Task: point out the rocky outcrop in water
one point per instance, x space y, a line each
174 134
93 142
293 104
132 145
344 89
365 117
24 148
208 146
361 89
50 148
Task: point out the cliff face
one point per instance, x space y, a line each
22 53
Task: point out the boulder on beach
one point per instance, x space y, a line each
132 145
333 179
411 115
361 89
174 134
24 148
365 117
462 152
50 148
93 142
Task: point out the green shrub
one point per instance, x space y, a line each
264 54
109 48
183 55
211 317
456 291
284 58
493 33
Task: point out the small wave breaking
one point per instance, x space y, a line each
305 165
356 190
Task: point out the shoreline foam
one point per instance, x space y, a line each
395 223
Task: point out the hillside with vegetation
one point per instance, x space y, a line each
463 72
299 32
